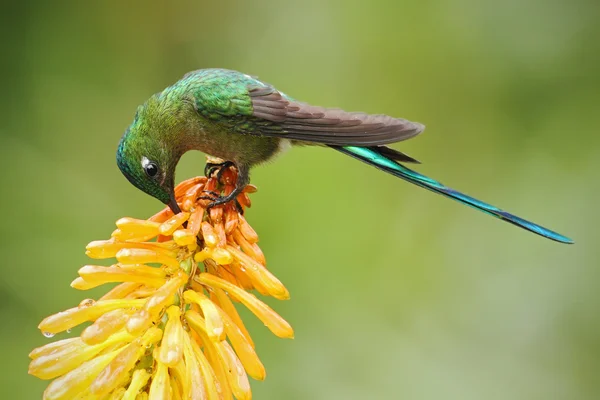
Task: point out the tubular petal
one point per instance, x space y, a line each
175 388
117 394
101 249
221 256
105 326
120 291
227 306
169 226
244 200
171 347
258 254
210 378
231 220
70 356
111 376
246 230
99 275
196 220
68 386
216 214
139 322
162 215
243 278
221 382
145 270
139 379
74 316
142 256
80 284
259 273
52 347
196 389
160 388
251 249
164 295
203 255
243 348
270 318
220 232
179 376
138 227
130 237
214 322
190 196
236 375
209 235
234 371
250 189
184 186
184 237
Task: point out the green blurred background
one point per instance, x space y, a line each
396 293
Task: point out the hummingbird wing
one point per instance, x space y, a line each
242 104
282 116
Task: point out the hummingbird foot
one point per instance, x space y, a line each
225 199
210 195
210 169
240 184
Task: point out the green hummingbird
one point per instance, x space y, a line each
238 118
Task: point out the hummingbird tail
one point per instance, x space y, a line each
378 159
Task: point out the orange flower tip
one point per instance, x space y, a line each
250 189
216 214
184 237
209 235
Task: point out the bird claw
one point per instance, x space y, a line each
210 168
224 200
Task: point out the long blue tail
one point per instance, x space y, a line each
375 158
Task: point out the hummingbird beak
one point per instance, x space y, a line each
173 204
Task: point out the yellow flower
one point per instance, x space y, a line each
168 331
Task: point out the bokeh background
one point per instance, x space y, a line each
396 293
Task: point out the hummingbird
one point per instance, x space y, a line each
240 119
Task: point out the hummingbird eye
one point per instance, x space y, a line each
150 168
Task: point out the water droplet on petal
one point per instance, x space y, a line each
87 303
48 334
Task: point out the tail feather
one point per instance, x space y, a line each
379 159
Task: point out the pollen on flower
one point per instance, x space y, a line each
169 329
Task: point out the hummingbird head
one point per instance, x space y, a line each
148 160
